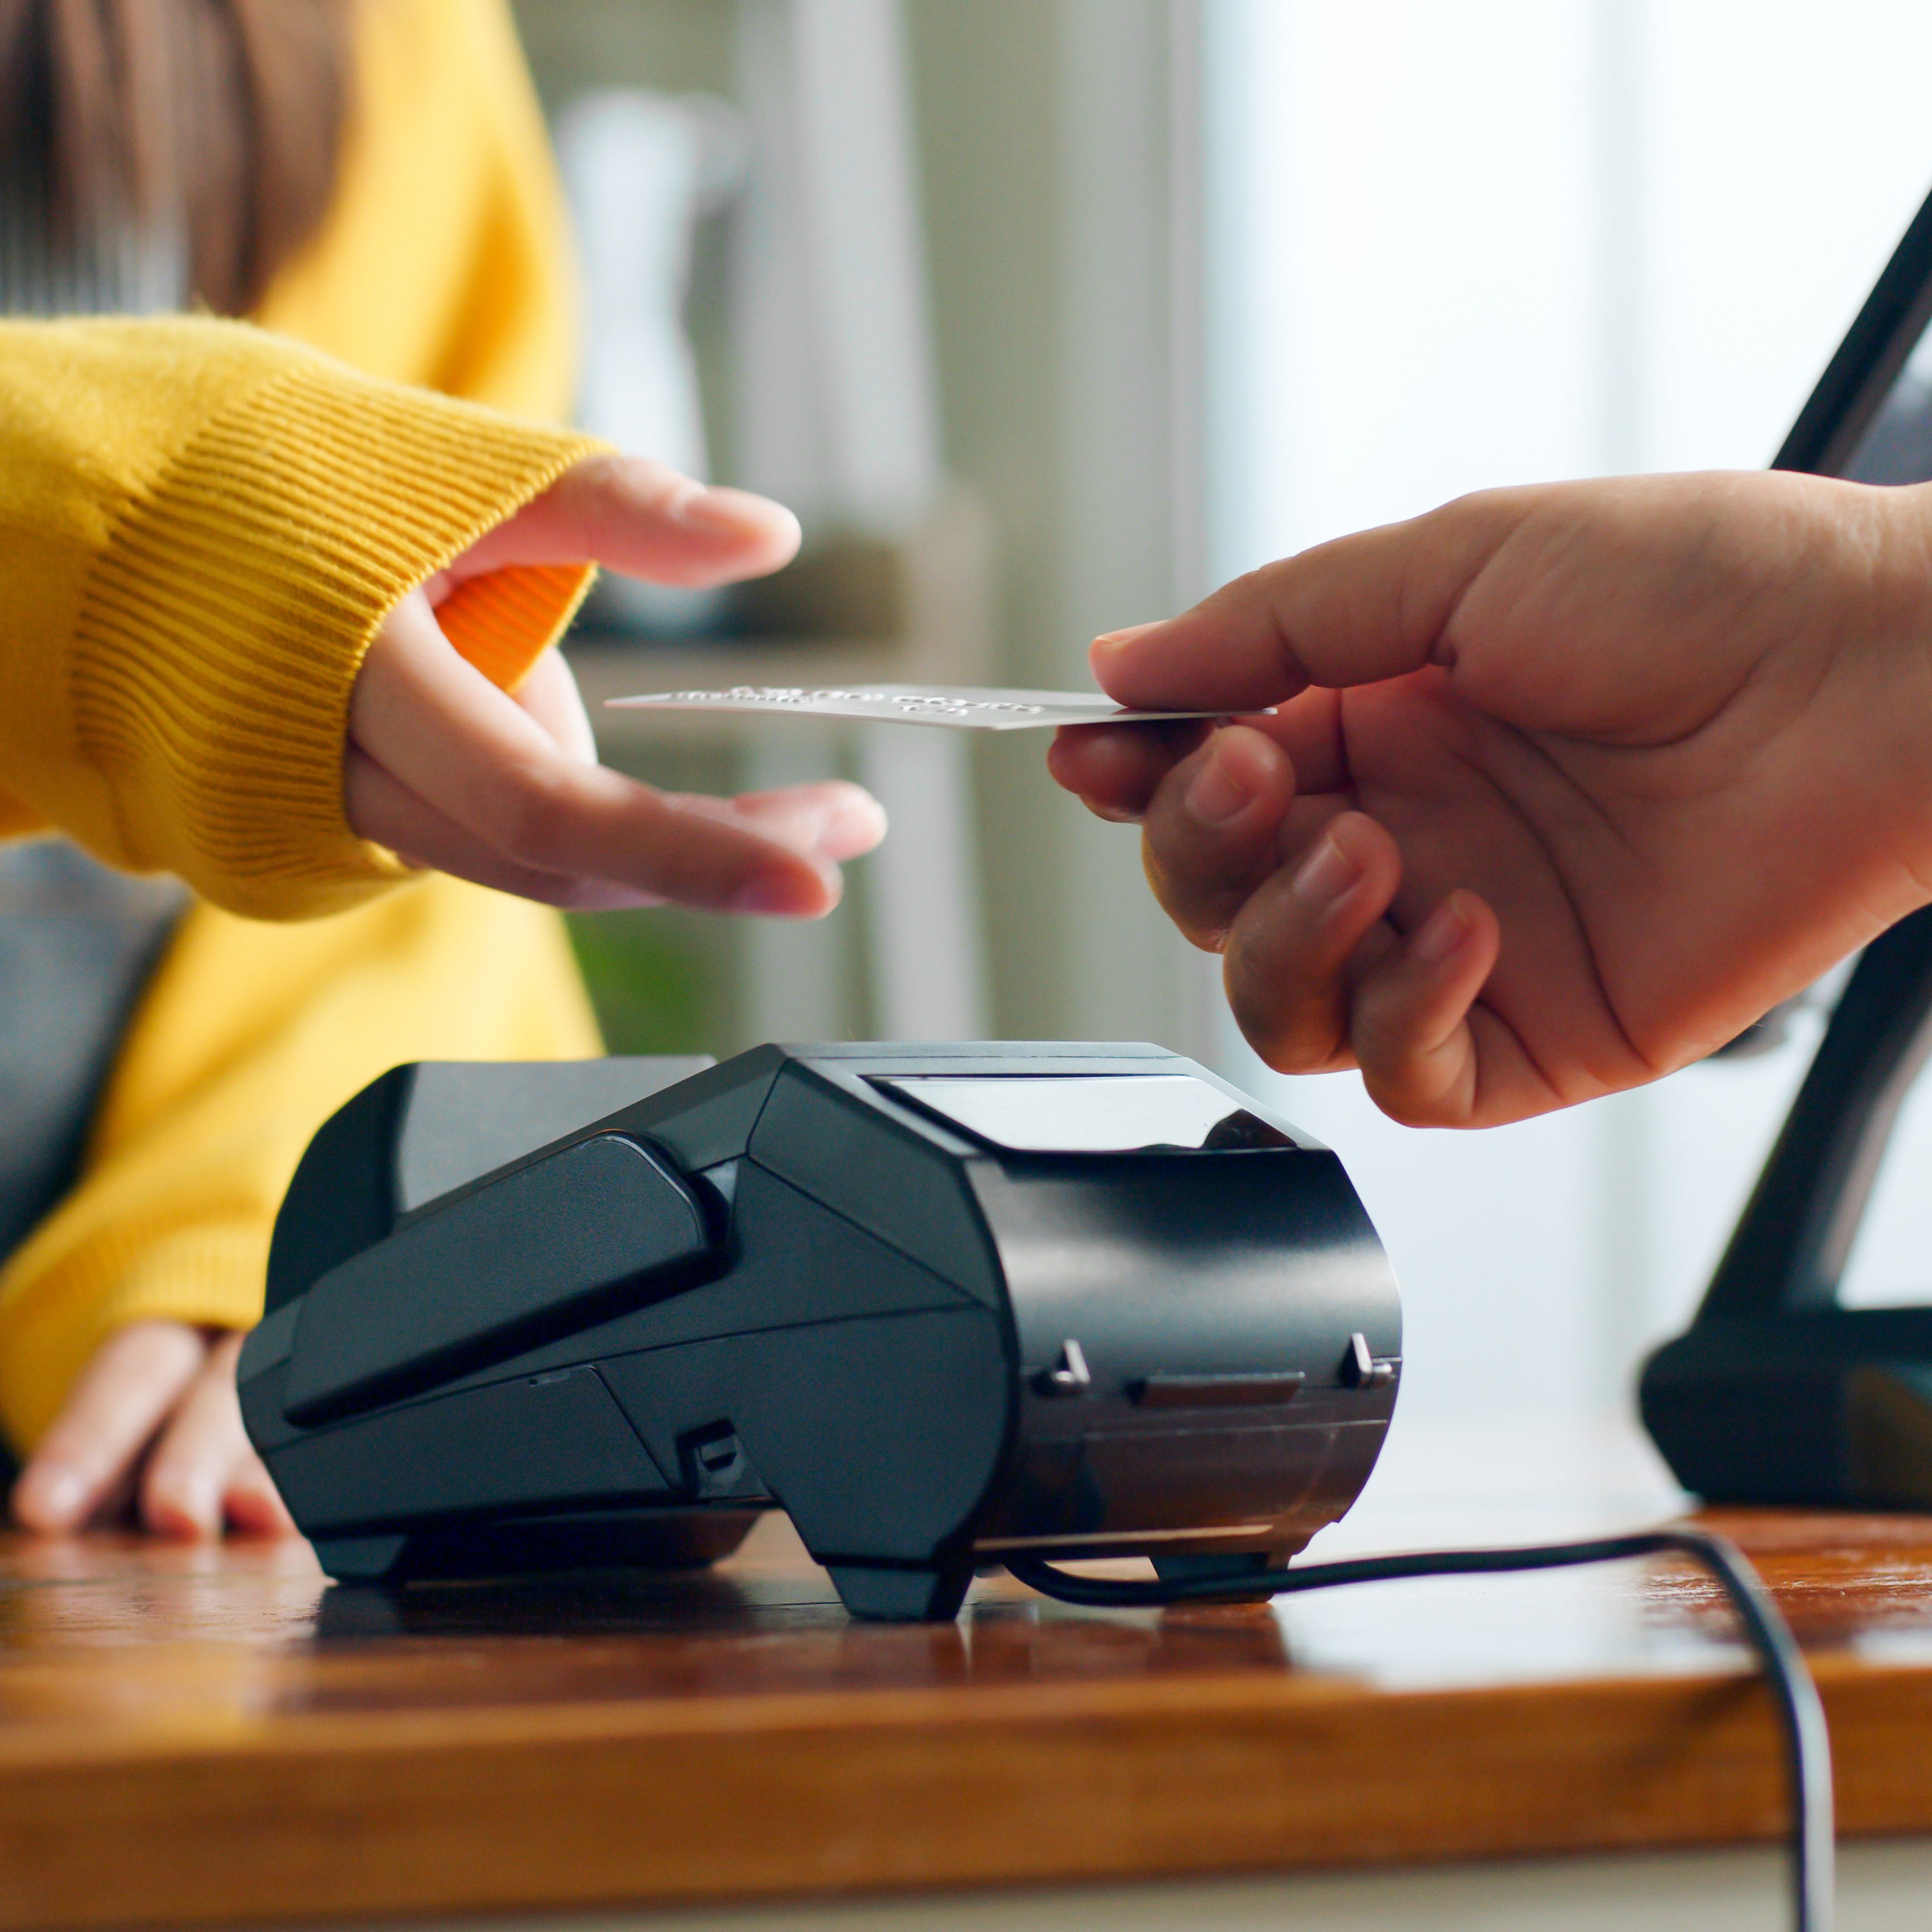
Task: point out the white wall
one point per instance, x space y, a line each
1454 246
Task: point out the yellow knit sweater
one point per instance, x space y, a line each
201 524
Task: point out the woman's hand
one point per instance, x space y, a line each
448 771
1565 787
153 1422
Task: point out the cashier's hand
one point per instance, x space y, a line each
1567 785
451 773
153 1425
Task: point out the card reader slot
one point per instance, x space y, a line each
1249 1391
601 1225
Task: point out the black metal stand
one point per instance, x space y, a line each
1776 1394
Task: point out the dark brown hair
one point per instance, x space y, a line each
222 118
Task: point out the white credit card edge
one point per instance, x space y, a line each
888 703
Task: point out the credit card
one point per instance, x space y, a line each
963 707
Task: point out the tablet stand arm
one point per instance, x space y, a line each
1791 1245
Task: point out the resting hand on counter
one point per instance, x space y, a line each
152 1428
450 772
1566 784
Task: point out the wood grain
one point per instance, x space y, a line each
201 1736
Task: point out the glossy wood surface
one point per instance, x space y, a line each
195 1735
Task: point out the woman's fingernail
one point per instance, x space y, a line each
726 513
1110 641
1441 934
187 1513
854 825
1326 875
766 896
1217 793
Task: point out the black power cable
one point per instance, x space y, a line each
1808 1744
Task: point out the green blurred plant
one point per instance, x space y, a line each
658 985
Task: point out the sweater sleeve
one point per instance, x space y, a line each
201 526
250 1035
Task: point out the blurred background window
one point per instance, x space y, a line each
1454 246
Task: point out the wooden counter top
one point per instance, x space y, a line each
194 1736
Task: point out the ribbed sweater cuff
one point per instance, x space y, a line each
223 625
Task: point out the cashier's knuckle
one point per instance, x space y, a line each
1203 916
1381 1040
1298 1036
1409 1106
1299 1054
1414 1087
